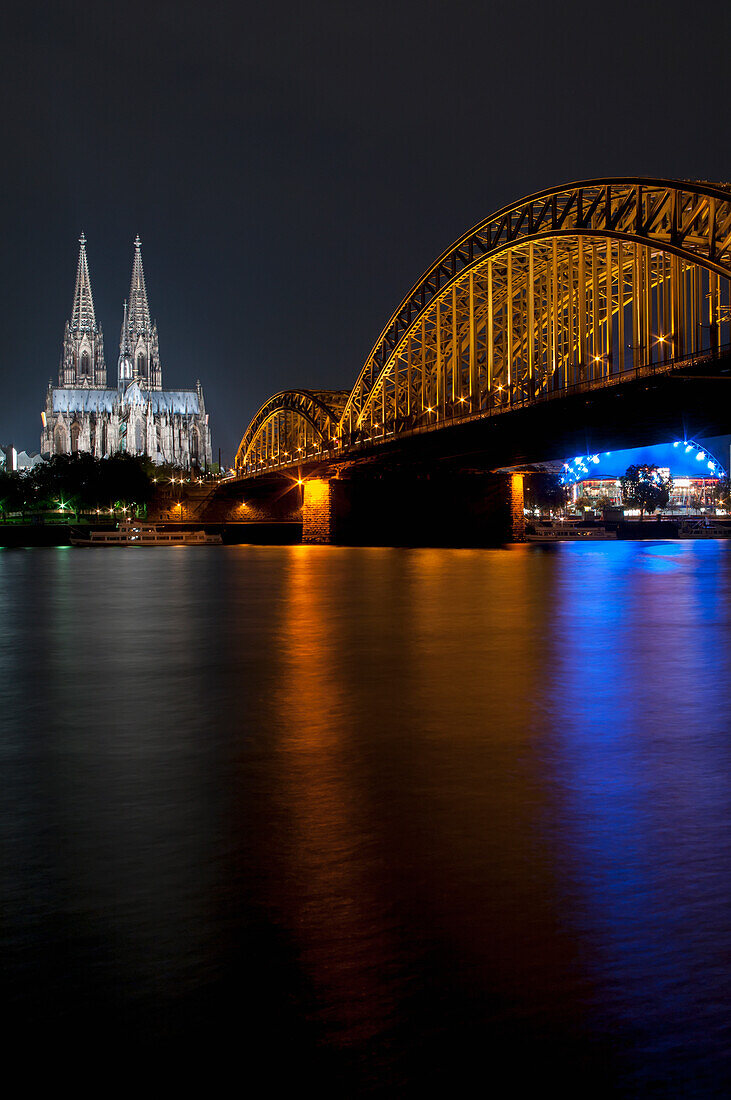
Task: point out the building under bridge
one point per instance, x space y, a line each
695 470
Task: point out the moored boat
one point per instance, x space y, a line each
703 529
568 532
132 533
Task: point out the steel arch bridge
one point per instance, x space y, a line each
292 424
572 288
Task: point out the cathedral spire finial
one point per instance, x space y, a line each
124 340
82 313
124 365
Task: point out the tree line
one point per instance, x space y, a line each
78 482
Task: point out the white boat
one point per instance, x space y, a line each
569 532
132 533
703 529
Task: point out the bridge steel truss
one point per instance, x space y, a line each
575 286
291 426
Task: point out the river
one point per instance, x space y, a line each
373 821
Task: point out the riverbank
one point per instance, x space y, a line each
18 535
278 533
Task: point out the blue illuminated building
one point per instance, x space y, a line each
693 467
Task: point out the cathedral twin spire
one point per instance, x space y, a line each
83 317
139 357
139 310
83 358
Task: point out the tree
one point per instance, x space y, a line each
544 490
645 488
122 479
721 493
79 481
584 501
12 491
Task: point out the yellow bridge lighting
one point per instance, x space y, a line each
581 274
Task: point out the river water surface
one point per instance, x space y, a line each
371 821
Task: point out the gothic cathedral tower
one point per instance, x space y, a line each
82 360
138 417
139 355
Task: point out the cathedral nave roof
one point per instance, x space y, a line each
184 402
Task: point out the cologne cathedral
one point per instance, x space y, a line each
83 414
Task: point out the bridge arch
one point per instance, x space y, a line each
575 285
289 426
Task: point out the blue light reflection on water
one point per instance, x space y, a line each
642 744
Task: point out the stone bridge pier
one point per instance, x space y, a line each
324 499
470 508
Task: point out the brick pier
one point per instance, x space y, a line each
319 511
517 505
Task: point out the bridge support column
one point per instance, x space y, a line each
517 506
319 511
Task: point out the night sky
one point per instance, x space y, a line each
293 168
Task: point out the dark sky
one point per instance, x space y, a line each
293 168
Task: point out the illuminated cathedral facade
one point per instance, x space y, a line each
139 417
